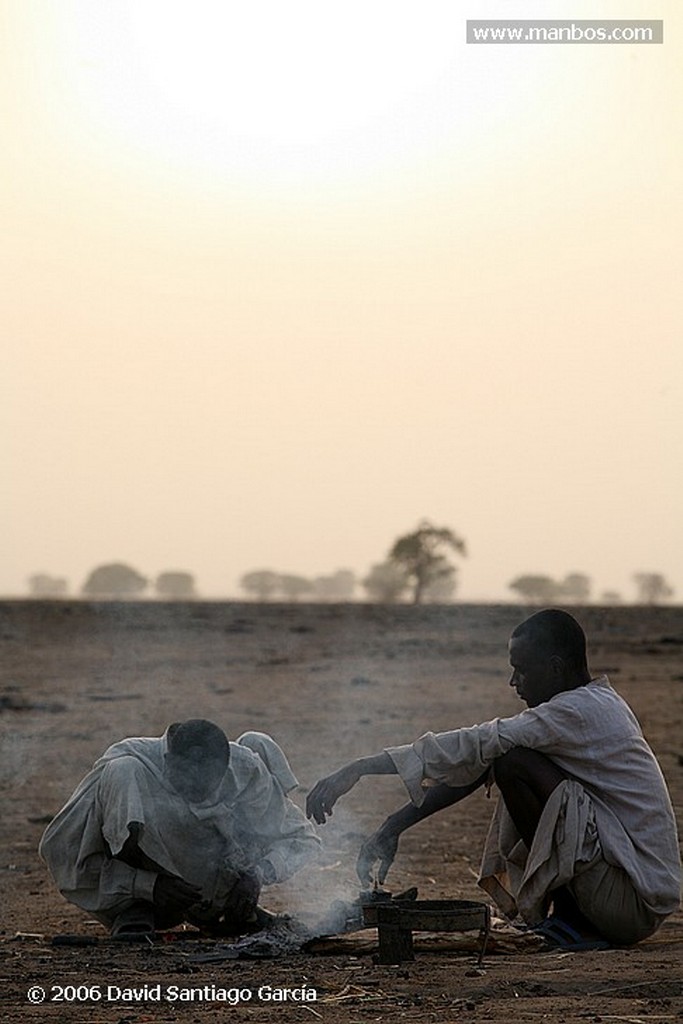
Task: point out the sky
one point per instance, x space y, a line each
282 280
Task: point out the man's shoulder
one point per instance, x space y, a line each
245 764
598 689
595 701
247 777
147 749
245 761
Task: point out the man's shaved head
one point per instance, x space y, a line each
197 758
198 739
555 632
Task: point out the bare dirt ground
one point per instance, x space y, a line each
329 682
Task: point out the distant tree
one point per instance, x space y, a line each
340 586
575 587
175 586
421 555
294 587
344 584
440 590
261 583
385 583
115 580
536 589
652 587
610 597
43 585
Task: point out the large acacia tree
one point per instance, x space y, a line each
423 557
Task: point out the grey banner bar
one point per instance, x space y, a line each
618 33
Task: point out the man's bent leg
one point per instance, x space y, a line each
526 779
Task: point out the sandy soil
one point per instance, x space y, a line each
329 682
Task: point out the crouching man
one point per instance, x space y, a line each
183 827
583 843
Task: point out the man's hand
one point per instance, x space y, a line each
382 847
172 893
383 844
327 791
243 897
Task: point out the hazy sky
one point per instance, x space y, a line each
280 280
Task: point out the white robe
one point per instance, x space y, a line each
248 824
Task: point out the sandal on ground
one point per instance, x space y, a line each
560 935
134 924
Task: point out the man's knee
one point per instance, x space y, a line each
520 764
510 766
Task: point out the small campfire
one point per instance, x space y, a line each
396 917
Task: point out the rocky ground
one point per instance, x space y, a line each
329 682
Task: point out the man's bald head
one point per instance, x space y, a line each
197 758
554 632
198 734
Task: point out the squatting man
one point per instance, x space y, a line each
583 842
183 827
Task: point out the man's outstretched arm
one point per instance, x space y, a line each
383 844
327 791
